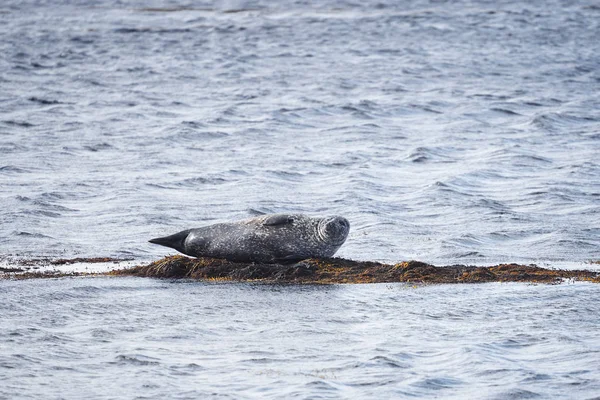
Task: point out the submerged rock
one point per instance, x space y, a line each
338 270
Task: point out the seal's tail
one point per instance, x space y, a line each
176 241
163 241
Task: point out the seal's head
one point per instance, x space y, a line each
333 230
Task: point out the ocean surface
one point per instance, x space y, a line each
136 338
445 131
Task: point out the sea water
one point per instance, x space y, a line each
448 132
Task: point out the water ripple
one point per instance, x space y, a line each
444 132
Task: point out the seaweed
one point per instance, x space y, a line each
339 270
315 271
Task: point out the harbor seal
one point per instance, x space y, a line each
275 238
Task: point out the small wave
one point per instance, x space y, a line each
431 154
98 147
523 160
32 235
425 108
136 359
198 125
152 30
102 334
22 124
239 10
362 109
186 369
52 207
196 9
229 29
389 362
494 207
535 377
505 111
199 181
171 9
8 148
52 196
43 213
28 358
287 175
43 101
556 121
533 104
578 244
257 213
461 255
448 190
194 135
56 338
38 65
518 394
320 384
158 185
12 169
83 40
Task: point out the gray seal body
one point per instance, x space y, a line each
268 238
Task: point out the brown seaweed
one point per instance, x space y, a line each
314 271
338 270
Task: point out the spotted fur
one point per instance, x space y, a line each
268 238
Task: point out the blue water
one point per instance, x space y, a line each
100 338
448 132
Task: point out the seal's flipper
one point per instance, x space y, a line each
176 241
278 219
